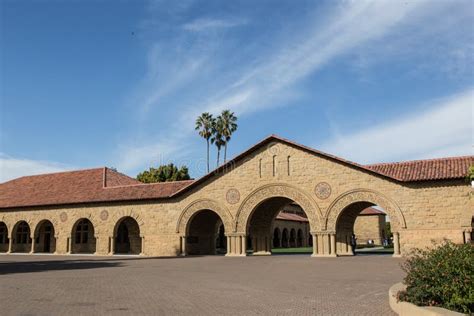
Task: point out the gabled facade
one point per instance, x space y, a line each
105 212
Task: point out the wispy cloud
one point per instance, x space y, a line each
267 81
11 168
203 24
132 157
350 26
443 128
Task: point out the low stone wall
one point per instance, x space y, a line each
409 309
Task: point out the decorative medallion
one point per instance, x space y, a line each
233 196
273 149
63 217
322 190
104 215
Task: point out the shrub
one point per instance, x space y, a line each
442 277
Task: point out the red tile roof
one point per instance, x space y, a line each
371 211
103 184
291 217
82 186
423 170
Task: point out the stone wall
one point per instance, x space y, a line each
368 227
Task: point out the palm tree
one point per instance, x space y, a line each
218 136
229 126
205 124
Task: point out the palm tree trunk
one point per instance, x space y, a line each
225 152
218 156
207 155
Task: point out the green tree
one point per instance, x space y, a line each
218 136
164 173
470 174
205 125
229 126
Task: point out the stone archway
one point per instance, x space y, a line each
257 212
346 208
200 223
4 240
269 191
127 238
21 237
83 237
45 237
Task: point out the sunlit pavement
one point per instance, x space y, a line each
211 285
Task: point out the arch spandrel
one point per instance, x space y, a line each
266 192
205 204
335 210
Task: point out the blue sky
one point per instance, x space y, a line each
119 83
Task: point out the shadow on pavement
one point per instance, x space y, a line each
53 265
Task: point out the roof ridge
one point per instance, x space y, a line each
57 172
149 184
419 160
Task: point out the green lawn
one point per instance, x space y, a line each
293 250
377 250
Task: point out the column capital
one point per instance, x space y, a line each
236 234
323 232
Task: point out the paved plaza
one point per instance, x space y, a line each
209 285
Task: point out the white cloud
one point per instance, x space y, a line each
135 156
11 168
266 82
203 24
354 24
444 129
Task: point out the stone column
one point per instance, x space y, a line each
333 244
183 245
32 245
238 244
396 244
243 240
324 244
142 252
112 245
10 245
315 245
69 242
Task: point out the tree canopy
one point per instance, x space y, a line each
470 174
164 173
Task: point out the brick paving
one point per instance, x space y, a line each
212 285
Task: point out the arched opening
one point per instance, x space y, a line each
363 228
299 238
44 237
3 237
205 234
21 237
284 239
276 238
221 241
274 225
127 238
83 239
293 238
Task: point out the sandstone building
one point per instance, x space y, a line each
104 212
